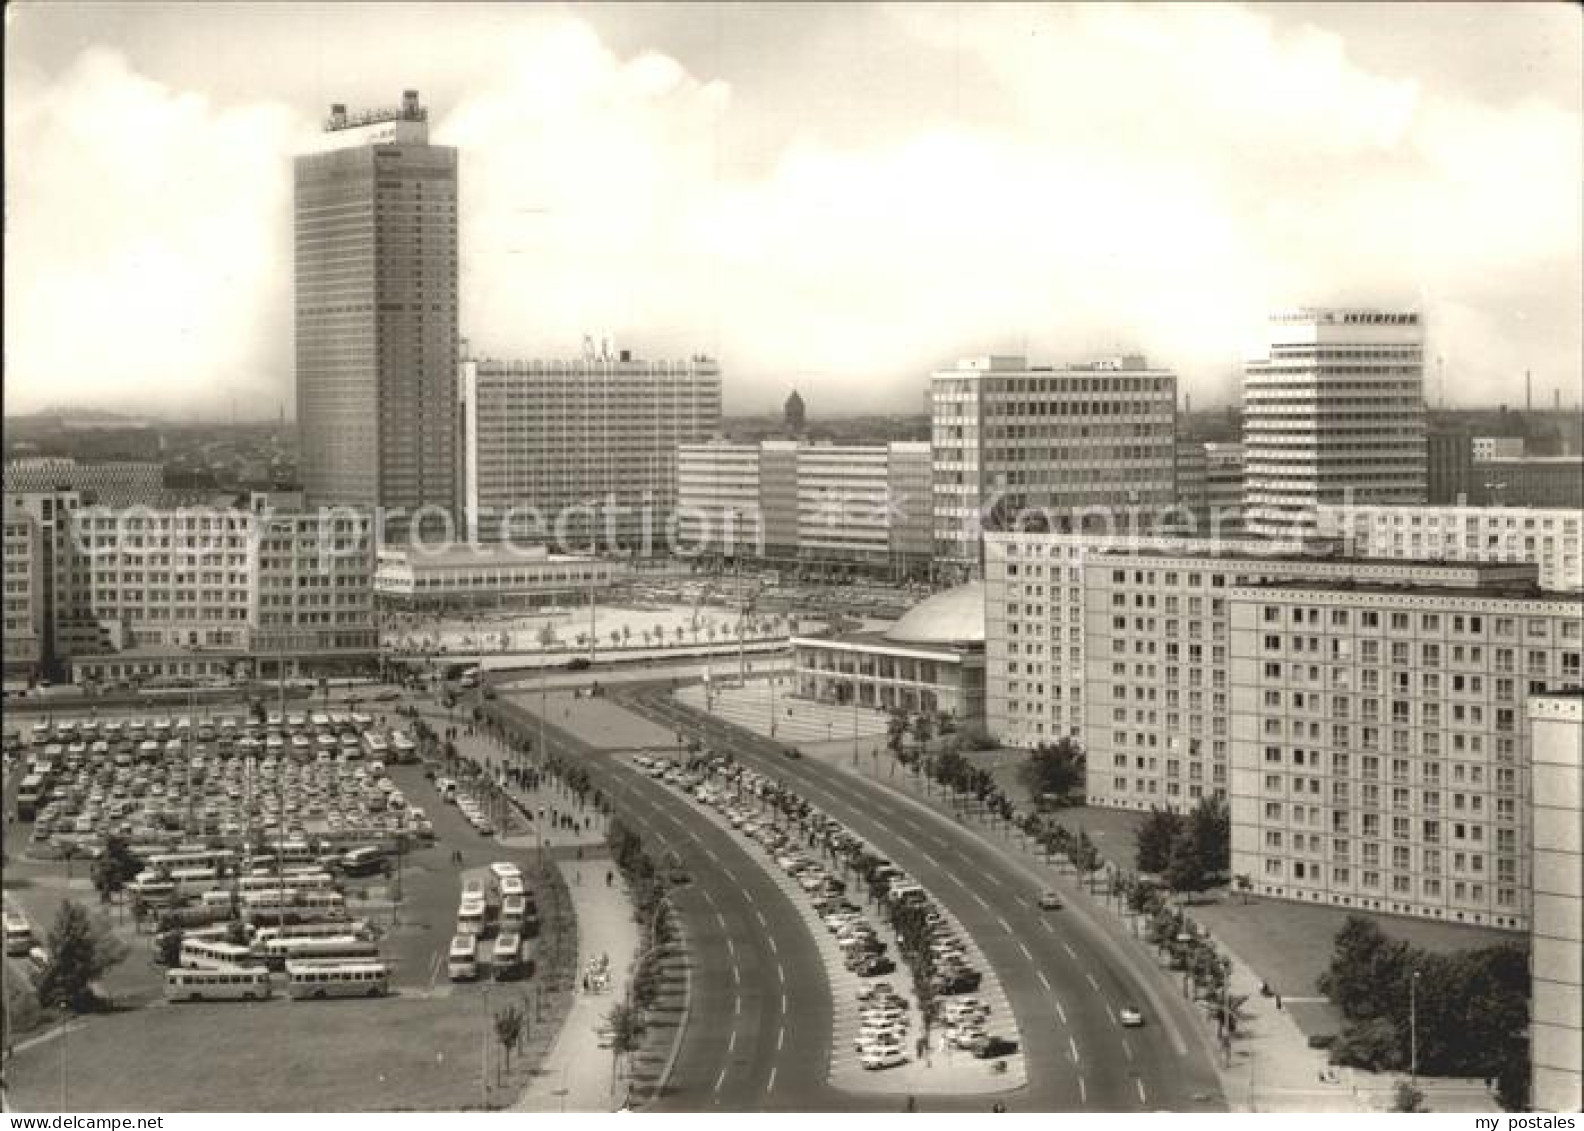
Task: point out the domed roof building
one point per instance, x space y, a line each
930 661
955 616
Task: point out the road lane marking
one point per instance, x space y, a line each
1143 1099
1025 951
979 899
781 977
780 1038
1070 952
710 852
1083 1093
1073 1045
1004 925
737 1001
1127 1049
773 948
1090 978
731 947
1044 981
760 915
1046 923
1060 1012
736 979
721 919
721 1079
771 1084
731 1045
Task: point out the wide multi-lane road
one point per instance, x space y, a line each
759 1022
1066 975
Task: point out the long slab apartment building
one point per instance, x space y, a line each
1141 649
798 503
581 453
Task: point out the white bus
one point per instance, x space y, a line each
344 928
281 952
462 961
506 957
309 904
293 879
186 858
244 983
210 954
337 979
18 935
514 913
470 917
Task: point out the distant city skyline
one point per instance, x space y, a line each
836 199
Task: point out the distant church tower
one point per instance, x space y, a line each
794 414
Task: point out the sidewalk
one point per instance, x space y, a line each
575 1074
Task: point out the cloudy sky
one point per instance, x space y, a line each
838 198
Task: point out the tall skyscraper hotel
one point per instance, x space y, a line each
376 312
1333 412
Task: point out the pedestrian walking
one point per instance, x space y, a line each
607 878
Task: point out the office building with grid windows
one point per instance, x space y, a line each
1010 437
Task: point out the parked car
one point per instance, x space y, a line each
1130 1016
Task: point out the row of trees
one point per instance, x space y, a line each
1471 1008
647 887
1191 851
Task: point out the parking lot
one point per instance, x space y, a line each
292 815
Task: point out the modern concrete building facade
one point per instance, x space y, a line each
1527 481
490 575
210 592
23 571
1556 1025
1035 601
1011 437
584 451
120 483
1380 739
809 504
930 661
1333 412
1496 447
375 213
1451 466
1157 652
1551 538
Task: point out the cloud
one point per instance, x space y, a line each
1150 179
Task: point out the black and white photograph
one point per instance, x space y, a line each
577 559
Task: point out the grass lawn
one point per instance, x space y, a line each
396 1053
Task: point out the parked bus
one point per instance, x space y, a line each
345 928
292 880
462 961
320 904
514 914
29 794
192 857
209 954
506 957
364 861
470 917
280 952
337 979
18 935
244 983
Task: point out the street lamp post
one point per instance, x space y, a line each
1413 1027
